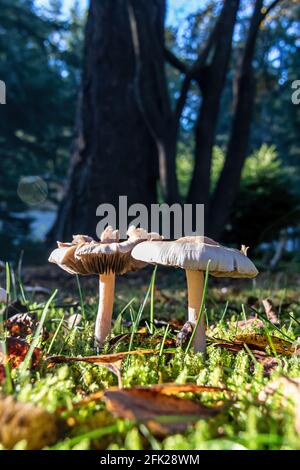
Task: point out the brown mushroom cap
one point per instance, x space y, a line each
86 256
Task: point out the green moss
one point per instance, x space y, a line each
245 422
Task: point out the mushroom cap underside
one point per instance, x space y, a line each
89 263
86 256
193 253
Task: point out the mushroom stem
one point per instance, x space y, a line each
195 284
105 309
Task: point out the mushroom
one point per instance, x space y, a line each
193 254
104 258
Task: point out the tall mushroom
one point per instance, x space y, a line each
193 254
104 258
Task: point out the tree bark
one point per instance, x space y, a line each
211 77
228 184
123 116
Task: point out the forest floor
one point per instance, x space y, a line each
146 391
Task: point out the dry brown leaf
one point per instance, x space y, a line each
261 341
162 413
268 362
256 341
101 359
173 388
22 325
270 310
16 350
165 389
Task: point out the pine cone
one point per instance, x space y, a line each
23 421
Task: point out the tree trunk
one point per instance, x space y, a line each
124 113
228 184
212 78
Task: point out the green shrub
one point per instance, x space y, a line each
268 199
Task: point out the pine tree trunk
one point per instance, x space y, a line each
123 115
212 77
228 185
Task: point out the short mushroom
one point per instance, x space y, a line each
104 258
193 254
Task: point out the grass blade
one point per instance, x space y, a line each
266 320
224 312
137 320
117 328
163 341
55 334
37 333
117 428
81 298
8 385
152 285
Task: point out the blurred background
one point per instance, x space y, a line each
175 101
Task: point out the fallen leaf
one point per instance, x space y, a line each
270 310
257 341
22 325
173 388
101 359
238 346
16 350
163 414
269 362
261 341
165 389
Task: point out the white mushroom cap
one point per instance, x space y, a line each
86 256
193 253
